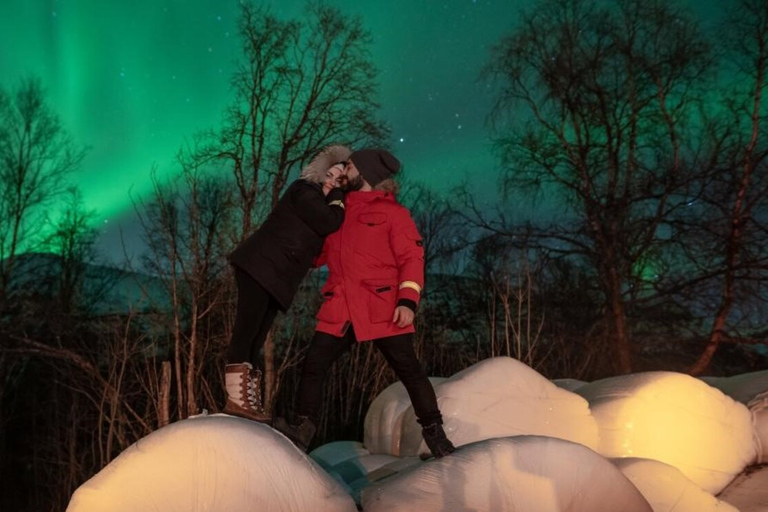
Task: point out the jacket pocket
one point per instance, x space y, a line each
372 219
332 309
381 298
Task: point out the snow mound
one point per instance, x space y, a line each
676 419
502 397
214 462
751 389
384 419
514 474
749 491
667 489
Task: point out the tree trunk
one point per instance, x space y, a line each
269 372
164 396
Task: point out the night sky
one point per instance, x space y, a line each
133 80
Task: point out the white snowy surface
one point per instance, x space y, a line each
515 474
502 397
749 491
212 463
667 489
673 418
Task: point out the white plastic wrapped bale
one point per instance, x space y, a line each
502 397
749 491
751 389
214 462
569 384
667 489
742 388
514 474
349 463
332 454
673 418
384 419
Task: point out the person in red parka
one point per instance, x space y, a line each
376 272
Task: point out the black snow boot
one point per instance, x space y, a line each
301 431
436 440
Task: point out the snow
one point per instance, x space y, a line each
655 441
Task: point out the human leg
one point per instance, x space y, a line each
255 313
324 349
401 356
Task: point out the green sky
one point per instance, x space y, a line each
133 79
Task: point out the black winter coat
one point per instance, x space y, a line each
279 253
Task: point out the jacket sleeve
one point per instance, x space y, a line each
407 247
323 214
322 258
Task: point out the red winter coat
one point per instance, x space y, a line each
375 262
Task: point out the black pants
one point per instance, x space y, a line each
399 353
256 310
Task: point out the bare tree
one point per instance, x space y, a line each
185 227
607 94
36 156
299 85
728 220
72 239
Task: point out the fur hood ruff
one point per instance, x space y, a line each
324 160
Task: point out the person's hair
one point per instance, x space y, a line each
388 185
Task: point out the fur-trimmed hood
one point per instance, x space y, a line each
324 160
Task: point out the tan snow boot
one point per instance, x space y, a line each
244 393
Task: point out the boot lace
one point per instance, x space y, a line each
253 389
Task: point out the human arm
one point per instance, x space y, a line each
323 214
407 248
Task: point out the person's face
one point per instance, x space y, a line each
354 178
332 178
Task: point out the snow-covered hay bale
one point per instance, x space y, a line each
514 474
384 419
667 489
502 397
212 463
673 418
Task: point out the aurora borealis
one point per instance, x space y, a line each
134 80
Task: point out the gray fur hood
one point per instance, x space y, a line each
324 160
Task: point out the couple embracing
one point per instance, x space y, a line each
342 212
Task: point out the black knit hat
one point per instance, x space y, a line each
375 165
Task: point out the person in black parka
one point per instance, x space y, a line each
270 264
